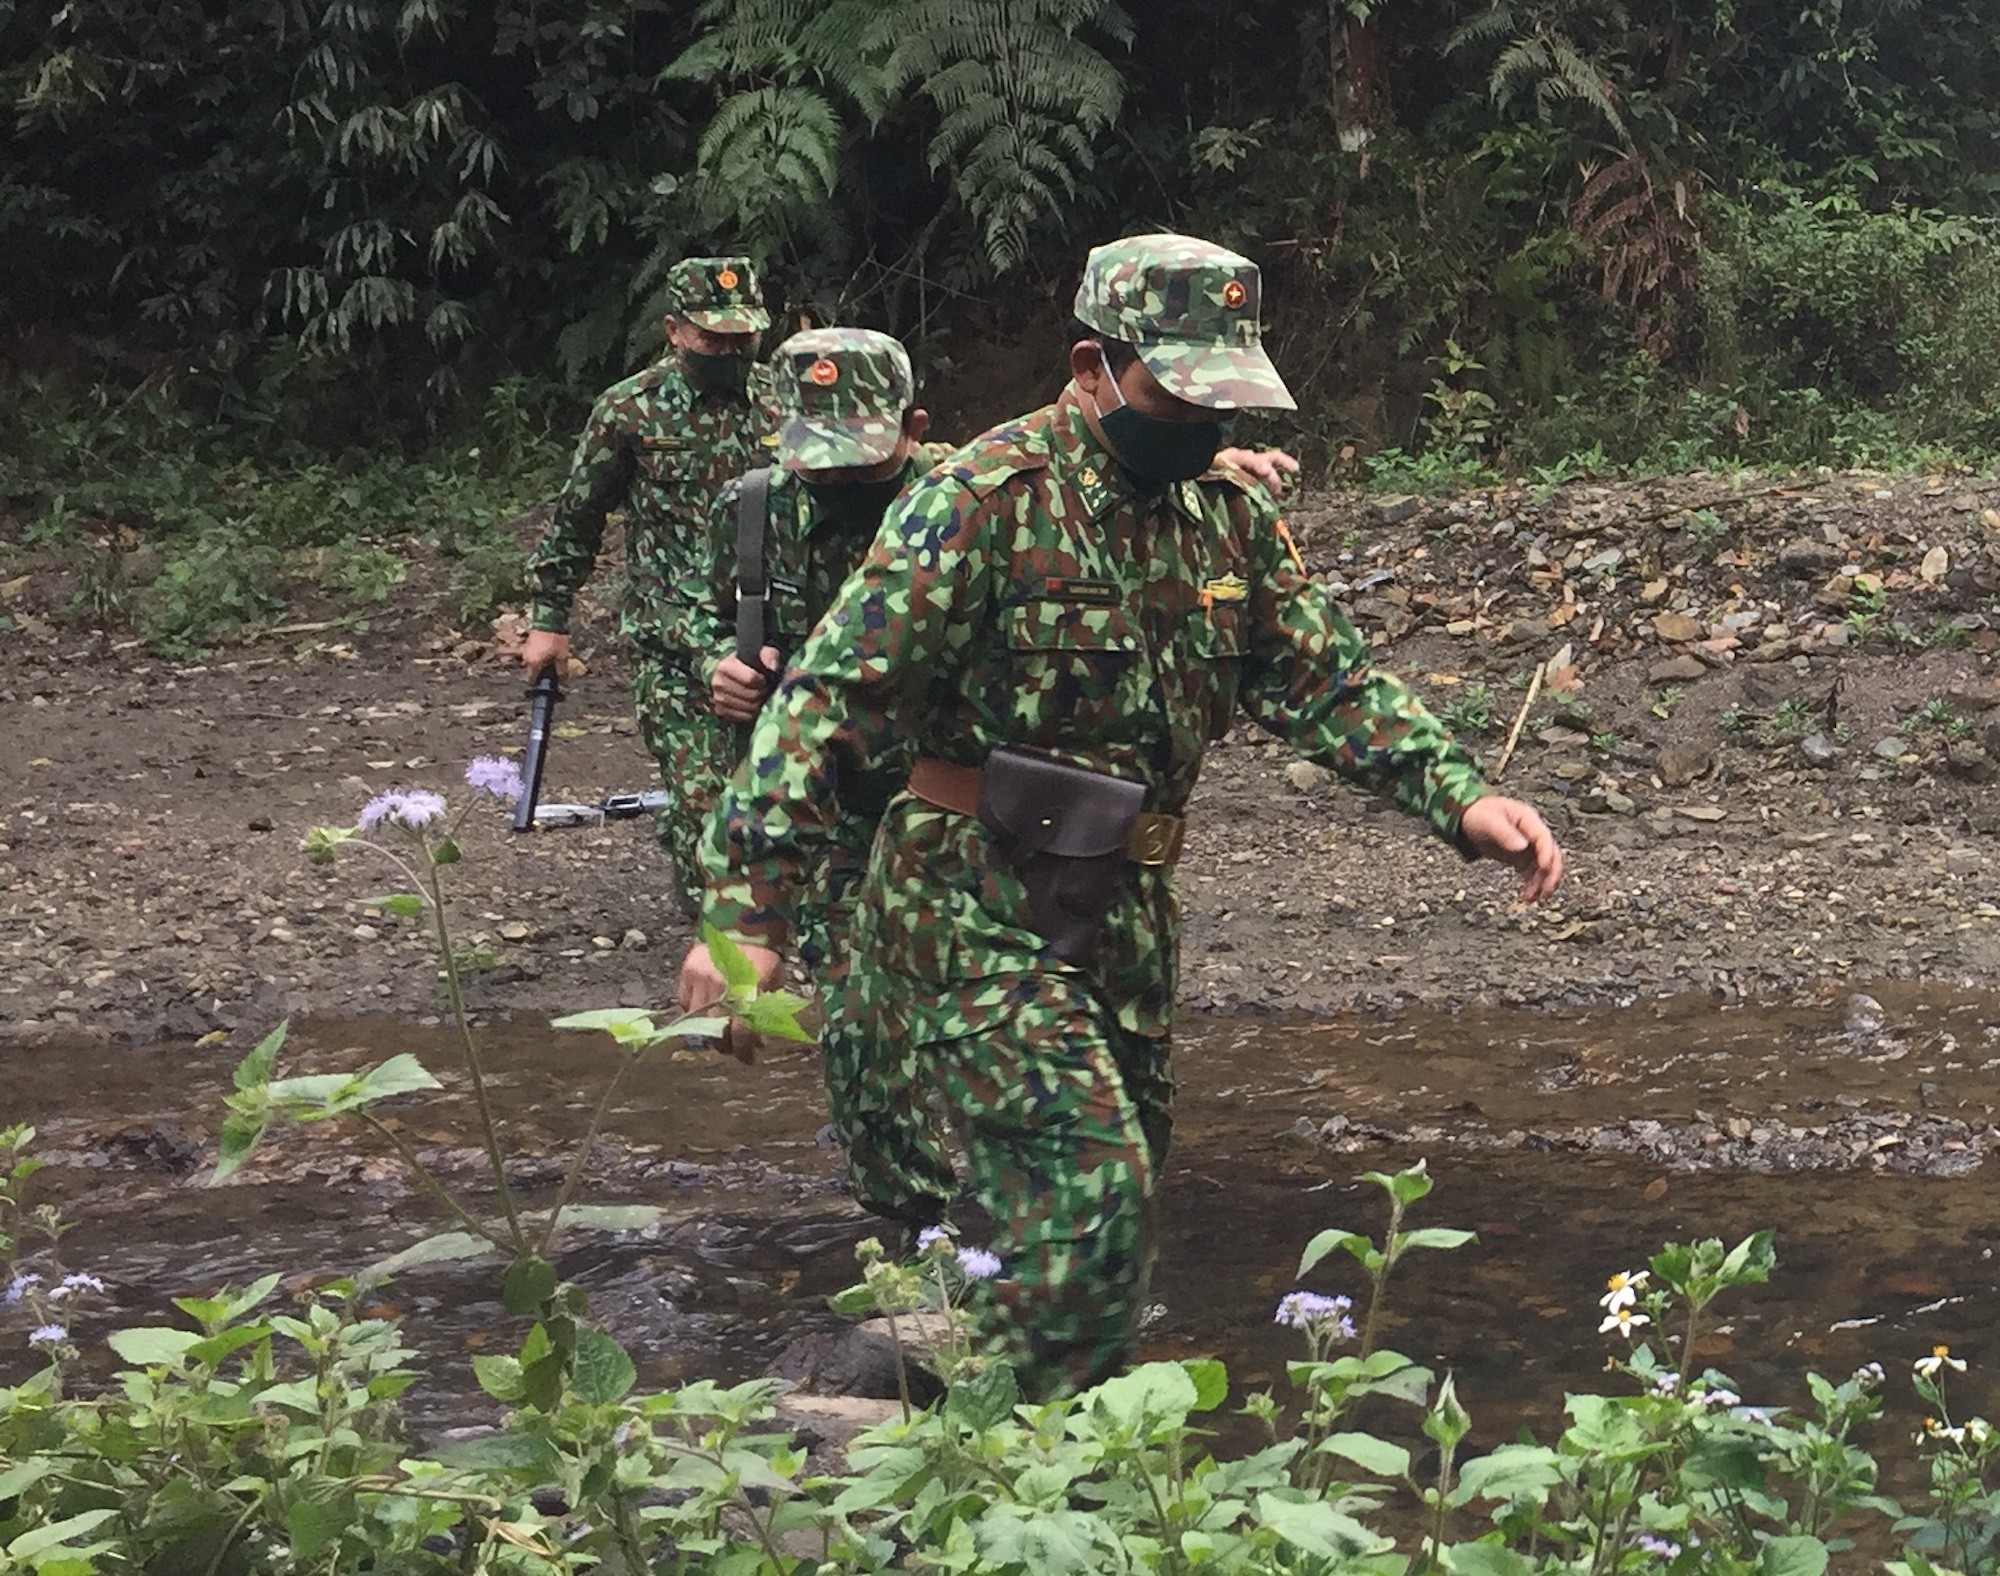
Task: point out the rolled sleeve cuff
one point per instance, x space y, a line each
1454 788
550 620
735 912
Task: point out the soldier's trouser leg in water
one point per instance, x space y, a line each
879 1105
1066 1119
694 751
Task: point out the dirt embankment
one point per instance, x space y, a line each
1764 728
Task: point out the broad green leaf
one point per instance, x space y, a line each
530 1282
1328 1241
255 1068
1751 1261
499 1377
1046 1542
34 1541
237 1303
447 1247
299 1395
1369 1453
776 1014
1211 1382
1796 1556
236 1143
497 1452
737 971
1405 1187
1487 1559
984 1401
1436 1237
401 1074
404 905
1509 1472
446 853
1316 1527
153 1346
609 1019
1152 1392
854 1302
211 1351
23 1475
317 1517
604 1373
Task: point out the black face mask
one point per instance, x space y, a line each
854 505
717 374
1154 451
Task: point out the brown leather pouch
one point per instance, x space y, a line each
1066 832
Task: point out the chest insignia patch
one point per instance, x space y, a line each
1091 593
1226 588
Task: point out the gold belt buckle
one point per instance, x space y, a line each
1156 839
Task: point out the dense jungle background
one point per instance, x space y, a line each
287 278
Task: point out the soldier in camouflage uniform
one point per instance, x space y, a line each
1078 584
849 439
658 446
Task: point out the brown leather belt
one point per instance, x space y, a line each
1155 840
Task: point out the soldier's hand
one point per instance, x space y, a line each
1269 466
1514 834
702 984
543 647
739 689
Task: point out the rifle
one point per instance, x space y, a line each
543 694
612 807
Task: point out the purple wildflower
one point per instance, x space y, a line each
19 1287
48 1335
495 775
1301 1309
420 807
75 1285
380 808
930 1237
978 1264
1666 1383
1666 1548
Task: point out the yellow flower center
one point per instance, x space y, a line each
1940 1352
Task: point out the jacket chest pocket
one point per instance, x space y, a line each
1070 664
667 460
1216 642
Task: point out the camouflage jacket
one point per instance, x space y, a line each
1024 594
659 449
808 558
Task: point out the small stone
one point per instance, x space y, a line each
635 940
1973 695
1965 759
1893 748
366 933
1863 1017
602 943
514 930
1460 627
1816 749
1618 803
1935 565
1701 812
1654 591
262 823
1680 764
1678 628
1676 670
1305 777
1395 508
1962 862
1837 636
1805 558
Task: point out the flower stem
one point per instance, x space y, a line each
430 1184
455 993
574 1175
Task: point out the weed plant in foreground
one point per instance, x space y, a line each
261 1433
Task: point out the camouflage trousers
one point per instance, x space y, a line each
695 751
1066 1118
879 1105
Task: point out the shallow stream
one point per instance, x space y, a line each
1573 1144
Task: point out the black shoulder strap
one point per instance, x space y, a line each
753 524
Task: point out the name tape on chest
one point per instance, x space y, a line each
1090 593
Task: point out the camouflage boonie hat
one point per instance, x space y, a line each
717 293
841 394
1190 309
